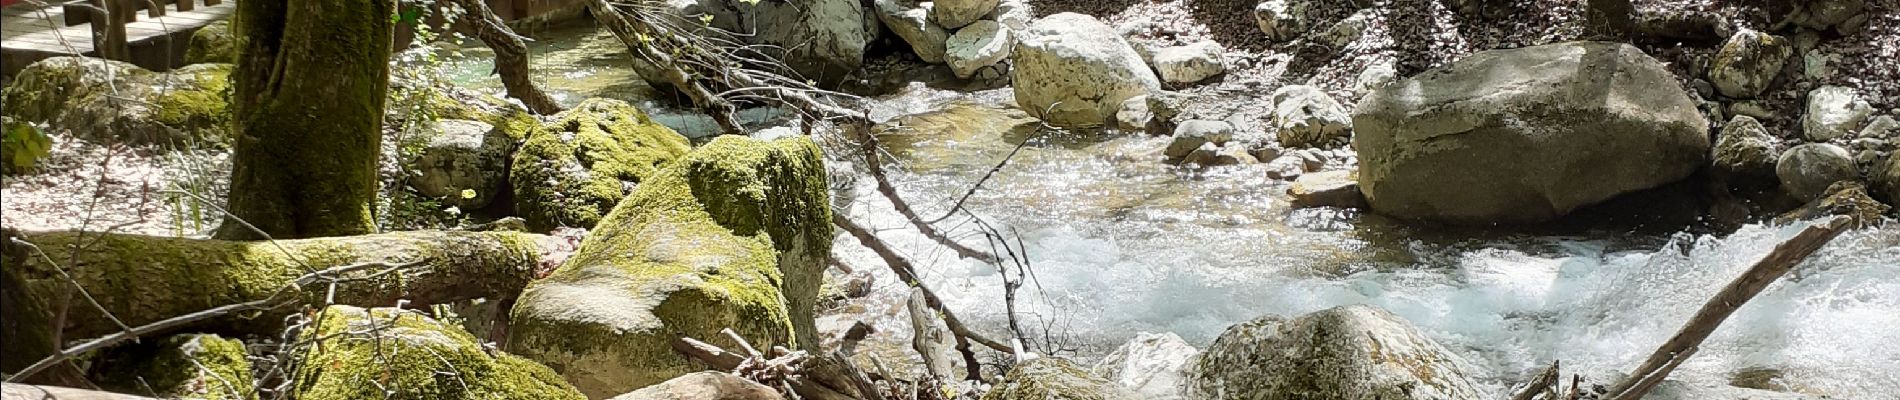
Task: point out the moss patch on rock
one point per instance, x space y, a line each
406 355
212 44
118 102
690 252
574 169
190 366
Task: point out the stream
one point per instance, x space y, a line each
1122 243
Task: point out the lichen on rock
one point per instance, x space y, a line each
118 102
212 44
389 353
574 169
731 236
189 366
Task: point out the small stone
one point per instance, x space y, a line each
1150 364
1305 116
911 22
1833 112
1807 170
1281 20
1327 189
1883 127
1703 88
1747 63
953 14
1266 153
1134 115
1375 76
1756 109
978 45
1349 30
1013 14
1190 63
1286 167
1207 155
1745 149
1193 134
1311 159
1845 198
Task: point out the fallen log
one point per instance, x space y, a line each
143 279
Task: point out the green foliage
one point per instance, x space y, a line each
23 145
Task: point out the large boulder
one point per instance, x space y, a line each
704 386
823 40
1051 378
1346 352
465 163
1072 70
118 102
1526 135
733 235
1190 63
1748 62
976 46
1744 150
1806 171
953 14
187 366
1305 116
1151 364
911 21
389 353
574 169
212 44
1834 112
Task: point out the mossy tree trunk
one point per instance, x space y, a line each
144 279
310 81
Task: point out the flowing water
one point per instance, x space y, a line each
1122 243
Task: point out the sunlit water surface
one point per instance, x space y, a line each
1122 243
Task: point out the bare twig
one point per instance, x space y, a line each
874 162
1678 348
907 272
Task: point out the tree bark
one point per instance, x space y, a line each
310 80
511 57
143 279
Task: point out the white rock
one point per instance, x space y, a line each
980 44
1013 14
1305 116
1833 112
1190 63
953 14
1281 20
911 22
1151 364
1074 71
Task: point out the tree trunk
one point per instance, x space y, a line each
143 279
511 56
310 80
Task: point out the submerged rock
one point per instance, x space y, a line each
1526 135
359 353
1327 189
976 46
733 235
117 102
704 386
1806 171
188 366
212 44
1073 71
1748 62
1346 352
1305 116
1050 378
463 156
1834 112
1150 364
574 169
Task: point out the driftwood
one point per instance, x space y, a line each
829 376
16 391
144 279
1684 344
511 56
1545 384
930 340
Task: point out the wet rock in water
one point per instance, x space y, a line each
1806 171
574 169
1346 352
1305 116
413 355
187 366
1073 71
1211 155
1049 378
1834 112
117 102
911 21
1526 135
1281 20
1191 135
1748 62
1150 364
1134 115
1745 150
1190 63
1822 15
977 45
733 235
1844 198
1327 189
953 14
463 156
212 44
707 385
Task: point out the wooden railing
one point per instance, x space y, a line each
109 17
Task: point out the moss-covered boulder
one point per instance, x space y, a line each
212 44
118 102
574 169
731 236
189 366
388 353
1346 352
1055 379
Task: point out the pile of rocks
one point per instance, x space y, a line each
974 37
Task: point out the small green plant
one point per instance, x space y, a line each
24 145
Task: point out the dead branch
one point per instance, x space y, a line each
1678 348
874 162
823 377
929 339
906 271
1545 384
511 56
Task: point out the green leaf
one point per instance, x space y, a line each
411 16
24 144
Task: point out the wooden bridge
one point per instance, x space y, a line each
154 38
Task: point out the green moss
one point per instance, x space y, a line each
198 104
212 44
410 356
191 366
1054 379
42 91
577 167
